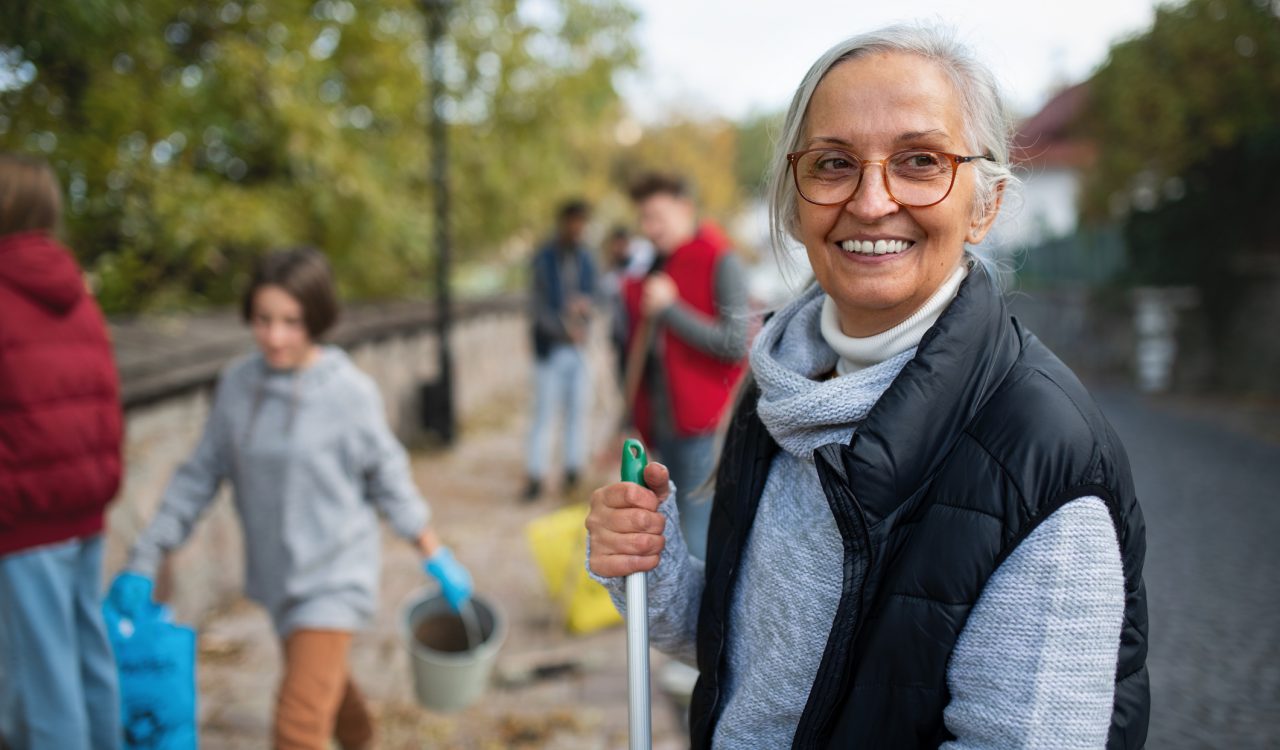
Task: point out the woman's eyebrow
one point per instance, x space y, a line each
916 135
830 139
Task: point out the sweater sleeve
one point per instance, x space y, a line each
188 493
725 335
675 590
388 479
1035 665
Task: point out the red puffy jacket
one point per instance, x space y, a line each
61 426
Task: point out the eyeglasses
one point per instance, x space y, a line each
914 178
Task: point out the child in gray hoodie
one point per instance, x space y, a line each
301 434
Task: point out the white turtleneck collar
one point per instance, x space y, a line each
859 353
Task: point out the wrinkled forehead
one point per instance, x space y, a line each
885 100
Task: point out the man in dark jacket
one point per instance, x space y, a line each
60 464
564 283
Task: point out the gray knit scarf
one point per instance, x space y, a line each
800 411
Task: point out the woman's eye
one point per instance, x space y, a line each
835 163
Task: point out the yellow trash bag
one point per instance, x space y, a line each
559 544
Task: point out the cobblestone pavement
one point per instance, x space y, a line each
473 489
1211 497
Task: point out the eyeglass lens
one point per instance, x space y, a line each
914 178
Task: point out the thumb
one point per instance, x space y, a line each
657 478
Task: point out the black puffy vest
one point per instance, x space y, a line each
982 436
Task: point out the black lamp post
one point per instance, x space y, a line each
437 397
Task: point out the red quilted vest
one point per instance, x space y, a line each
699 384
61 426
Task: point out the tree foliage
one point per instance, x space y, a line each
703 151
1205 77
1187 118
726 162
756 136
190 136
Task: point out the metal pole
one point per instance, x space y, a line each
634 459
638 661
437 12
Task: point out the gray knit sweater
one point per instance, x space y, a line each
1035 663
313 463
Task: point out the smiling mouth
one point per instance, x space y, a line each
878 247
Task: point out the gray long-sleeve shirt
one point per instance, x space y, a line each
723 336
312 462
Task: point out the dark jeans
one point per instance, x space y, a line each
691 461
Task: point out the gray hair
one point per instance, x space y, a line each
988 126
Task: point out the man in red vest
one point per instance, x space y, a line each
687 324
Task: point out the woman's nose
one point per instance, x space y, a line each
276 334
871 200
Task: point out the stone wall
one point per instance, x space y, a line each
168 370
1091 332
1113 334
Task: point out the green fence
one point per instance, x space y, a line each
1088 257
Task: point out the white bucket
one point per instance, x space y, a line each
449 674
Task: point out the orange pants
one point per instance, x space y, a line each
317 699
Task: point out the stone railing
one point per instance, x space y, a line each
168 367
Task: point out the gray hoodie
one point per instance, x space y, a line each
312 462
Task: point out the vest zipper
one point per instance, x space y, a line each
714 711
816 719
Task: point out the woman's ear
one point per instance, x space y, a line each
983 220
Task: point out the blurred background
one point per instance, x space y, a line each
425 145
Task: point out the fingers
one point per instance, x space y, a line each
625 527
626 521
614 555
627 495
610 543
620 566
657 478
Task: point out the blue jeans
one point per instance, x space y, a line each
691 461
58 684
562 387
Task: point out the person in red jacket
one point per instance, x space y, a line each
689 317
61 430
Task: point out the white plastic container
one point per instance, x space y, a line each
449 673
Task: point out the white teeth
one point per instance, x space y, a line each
878 247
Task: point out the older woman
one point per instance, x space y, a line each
924 533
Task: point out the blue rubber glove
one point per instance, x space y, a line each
454 579
130 594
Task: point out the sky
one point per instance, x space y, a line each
734 57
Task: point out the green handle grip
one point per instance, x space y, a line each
633 462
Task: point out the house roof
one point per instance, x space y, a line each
1046 139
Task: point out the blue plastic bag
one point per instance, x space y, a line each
156 664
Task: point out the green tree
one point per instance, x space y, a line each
1188 127
191 136
1203 78
756 135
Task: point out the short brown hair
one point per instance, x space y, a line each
30 199
655 183
304 273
